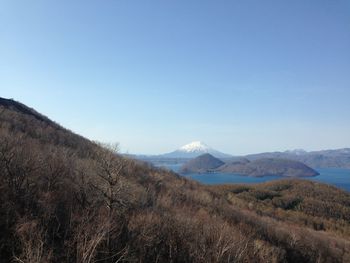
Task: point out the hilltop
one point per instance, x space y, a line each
64 198
16 106
203 163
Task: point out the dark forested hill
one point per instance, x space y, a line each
64 198
203 163
270 166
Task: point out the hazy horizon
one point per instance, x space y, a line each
242 76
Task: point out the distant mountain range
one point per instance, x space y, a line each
207 163
194 149
339 158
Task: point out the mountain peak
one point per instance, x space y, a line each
196 146
194 149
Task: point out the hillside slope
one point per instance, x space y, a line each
64 198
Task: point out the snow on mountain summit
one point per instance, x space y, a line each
194 149
195 146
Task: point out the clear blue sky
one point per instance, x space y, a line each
243 76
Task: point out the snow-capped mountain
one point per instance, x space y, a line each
196 146
193 150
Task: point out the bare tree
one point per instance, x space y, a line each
110 169
89 235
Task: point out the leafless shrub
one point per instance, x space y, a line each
32 238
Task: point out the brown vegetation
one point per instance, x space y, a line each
66 199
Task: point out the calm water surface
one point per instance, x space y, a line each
334 176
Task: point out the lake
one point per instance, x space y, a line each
334 176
